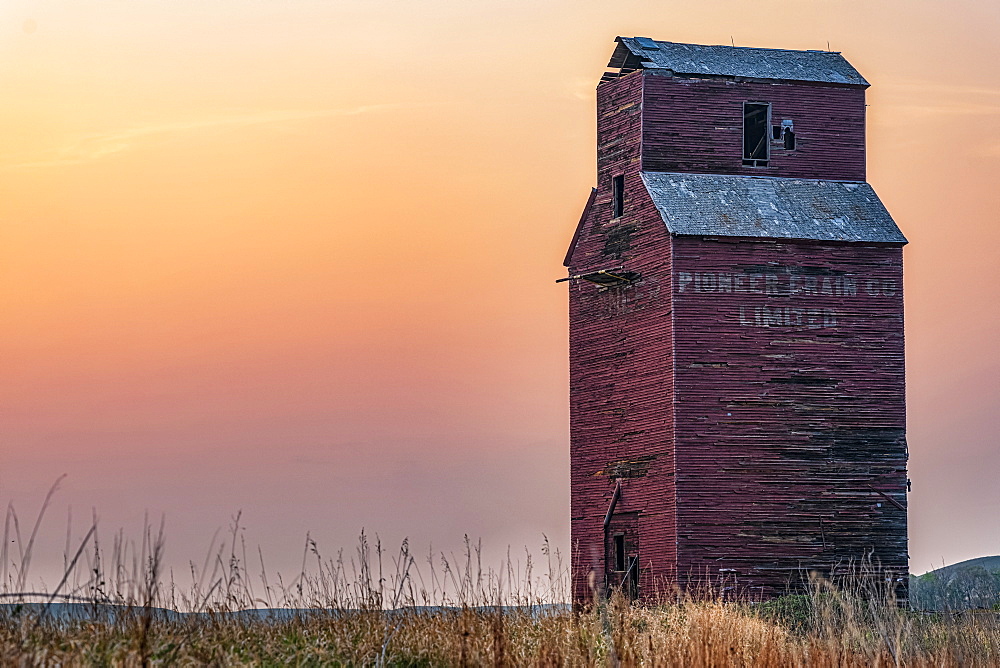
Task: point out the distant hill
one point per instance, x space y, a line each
989 563
970 584
108 612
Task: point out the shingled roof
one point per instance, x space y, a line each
695 59
770 207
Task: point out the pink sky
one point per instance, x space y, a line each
297 258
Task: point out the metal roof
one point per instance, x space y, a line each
735 61
770 207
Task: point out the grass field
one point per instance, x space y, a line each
816 631
115 607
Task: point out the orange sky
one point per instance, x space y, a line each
296 257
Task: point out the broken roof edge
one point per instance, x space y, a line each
654 42
771 207
744 62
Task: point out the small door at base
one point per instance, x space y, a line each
621 543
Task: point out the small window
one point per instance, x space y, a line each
618 196
776 132
619 552
789 140
756 148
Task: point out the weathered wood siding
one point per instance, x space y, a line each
619 136
696 125
790 409
620 364
621 388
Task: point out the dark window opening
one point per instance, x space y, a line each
619 552
775 132
789 140
756 118
618 196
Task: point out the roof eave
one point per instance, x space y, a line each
799 240
728 77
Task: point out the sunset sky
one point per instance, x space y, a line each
296 258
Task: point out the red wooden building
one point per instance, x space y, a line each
736 328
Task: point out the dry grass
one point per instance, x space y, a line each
369 608
685 634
